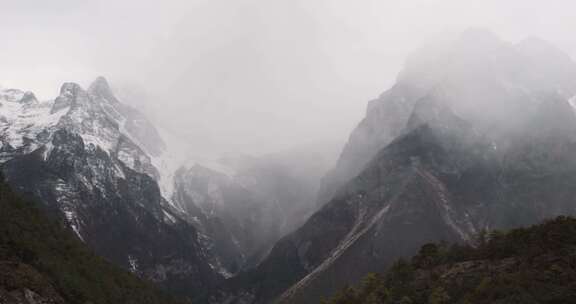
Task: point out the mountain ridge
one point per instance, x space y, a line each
470 138
80 158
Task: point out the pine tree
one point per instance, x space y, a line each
438 296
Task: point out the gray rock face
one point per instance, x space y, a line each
243 205
385 119
485 80
131 121
483 142
76 157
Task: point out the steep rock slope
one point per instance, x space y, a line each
490 145
89 160
244 204
481 73
42 263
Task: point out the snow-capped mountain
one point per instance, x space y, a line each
476 134
91 161
131 193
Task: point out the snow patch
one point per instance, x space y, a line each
172 159
72 220
572 102
169 217
22 123
133 264
97 141
362 225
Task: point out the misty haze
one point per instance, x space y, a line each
259 152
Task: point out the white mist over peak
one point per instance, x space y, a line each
243 75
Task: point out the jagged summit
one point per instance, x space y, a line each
101 88
87 158
70 88
18 96
70 92
100 81
95 115
29 97
484 79
477 133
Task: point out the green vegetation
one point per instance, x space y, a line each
526 265
37 254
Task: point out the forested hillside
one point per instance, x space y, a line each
525 265
40 262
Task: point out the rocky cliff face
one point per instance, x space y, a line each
483 141
103 169
485 80
88 159
242 205
43 262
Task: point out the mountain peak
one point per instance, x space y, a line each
15 95
101 88
70 89
100 83
69 92
28 97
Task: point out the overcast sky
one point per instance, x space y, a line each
248 75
